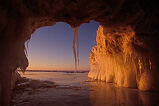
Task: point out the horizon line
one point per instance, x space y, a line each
53 70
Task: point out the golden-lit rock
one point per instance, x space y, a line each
115 59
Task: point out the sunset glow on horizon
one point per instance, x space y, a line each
50 48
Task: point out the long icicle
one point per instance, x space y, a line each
77 29
74 47
76 52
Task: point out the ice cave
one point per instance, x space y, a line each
127 39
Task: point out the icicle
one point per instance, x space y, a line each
150 63
74 48
76 52
22 69
26 47
77 29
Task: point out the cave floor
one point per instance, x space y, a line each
43 93
32 92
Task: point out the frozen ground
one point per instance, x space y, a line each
74 89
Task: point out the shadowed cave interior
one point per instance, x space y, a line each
127 38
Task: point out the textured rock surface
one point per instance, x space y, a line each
20 18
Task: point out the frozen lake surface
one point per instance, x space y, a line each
61 78
74 89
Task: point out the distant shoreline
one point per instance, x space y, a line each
54 71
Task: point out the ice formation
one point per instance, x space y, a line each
76 46
116 59
20 18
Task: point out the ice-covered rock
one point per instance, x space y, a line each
117 59
15 77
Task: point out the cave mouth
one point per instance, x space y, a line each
20 18
50 47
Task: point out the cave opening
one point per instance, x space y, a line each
50 47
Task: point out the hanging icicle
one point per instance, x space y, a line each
26 47
76 46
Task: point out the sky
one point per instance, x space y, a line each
50 47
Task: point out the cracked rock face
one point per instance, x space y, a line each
20 18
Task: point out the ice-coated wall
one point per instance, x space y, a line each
116 59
